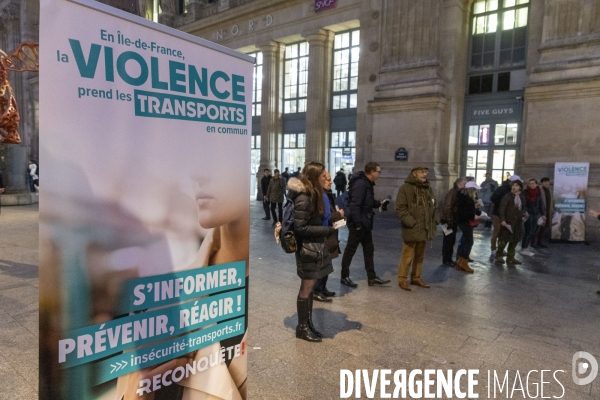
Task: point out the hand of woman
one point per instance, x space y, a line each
593 213
476 217
341 212
503 223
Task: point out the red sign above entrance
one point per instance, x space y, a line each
322 5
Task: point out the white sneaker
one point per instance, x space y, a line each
526 252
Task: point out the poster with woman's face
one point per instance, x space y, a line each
144 236
570 187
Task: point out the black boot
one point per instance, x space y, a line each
310 323
303 330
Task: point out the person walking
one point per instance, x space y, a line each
275 193
488 187
511 213
264 186
286 175
467 217
312 257
548 201
360 223
416 208
320 292
340 182
496 199
447 211
535 209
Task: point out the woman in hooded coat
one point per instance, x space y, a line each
311 229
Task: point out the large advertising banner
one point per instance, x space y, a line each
570 187
144 221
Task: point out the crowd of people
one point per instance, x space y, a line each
517 212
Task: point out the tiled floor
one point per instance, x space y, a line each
532 317
19 302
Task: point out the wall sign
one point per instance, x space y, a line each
401 154
322 5
245 28
485 110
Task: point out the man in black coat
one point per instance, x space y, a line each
264 186
360 223
447 216
340 182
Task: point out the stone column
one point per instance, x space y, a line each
319 95
410 102
272 107
454 40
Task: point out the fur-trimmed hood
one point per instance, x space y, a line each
295 187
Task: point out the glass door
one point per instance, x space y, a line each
491 148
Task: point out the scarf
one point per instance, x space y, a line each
532 194
518 203
327 213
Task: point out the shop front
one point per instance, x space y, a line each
492 137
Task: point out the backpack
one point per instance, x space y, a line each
343 202
286 234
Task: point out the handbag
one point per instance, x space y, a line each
474 223
311 251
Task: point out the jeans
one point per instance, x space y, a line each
273 205
530 230
412 253
355 237
466 241
448 246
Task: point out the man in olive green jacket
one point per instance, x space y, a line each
416 208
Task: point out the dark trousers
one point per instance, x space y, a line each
539 235
448 245
266 206
465 244
340 191
273 205
365 238
530 230
321 284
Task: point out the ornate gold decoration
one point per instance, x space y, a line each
25 58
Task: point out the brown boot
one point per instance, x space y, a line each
404 285
513 261
463 265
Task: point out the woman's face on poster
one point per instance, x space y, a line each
219 201
220 191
